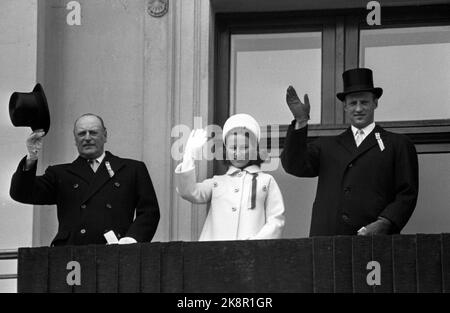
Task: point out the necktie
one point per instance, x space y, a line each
359 137
94 164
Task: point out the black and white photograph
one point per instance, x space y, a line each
225 152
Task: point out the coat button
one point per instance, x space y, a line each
75 186
233 209
347 190
109 206
117 184
236 190
350 165
83 231
240 174
83 206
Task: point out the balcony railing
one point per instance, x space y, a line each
398 263
8 255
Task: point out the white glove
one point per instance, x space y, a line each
194 148
34 144
111 238
127 241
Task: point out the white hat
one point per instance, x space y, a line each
241 121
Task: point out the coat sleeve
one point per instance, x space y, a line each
299 158
406 184
189 189
28 188
274 213
147 209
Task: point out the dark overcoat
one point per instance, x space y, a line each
356 185
90 204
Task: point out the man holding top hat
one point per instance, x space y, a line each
100 198
368 177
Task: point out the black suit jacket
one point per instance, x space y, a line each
90 204
356 184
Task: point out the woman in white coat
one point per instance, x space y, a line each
246 203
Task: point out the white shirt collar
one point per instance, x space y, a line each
367 130
250 169
100 158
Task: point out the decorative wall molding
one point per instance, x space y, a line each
177 86
158 8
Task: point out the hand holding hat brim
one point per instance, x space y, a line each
34 143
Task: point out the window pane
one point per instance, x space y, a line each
412 65
432 215
264 65
8 267
298 195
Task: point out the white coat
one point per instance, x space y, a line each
230 216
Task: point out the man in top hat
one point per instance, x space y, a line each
368 177
95 194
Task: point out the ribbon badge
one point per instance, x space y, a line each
110 171
380 141
253 194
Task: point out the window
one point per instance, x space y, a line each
263 65
413 66
259 54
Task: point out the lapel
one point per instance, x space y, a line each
102 175
81 168
347 140
369 142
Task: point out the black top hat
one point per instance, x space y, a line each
30 109
357 80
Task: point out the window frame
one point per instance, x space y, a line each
245 23
340 51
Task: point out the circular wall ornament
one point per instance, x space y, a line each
158 8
